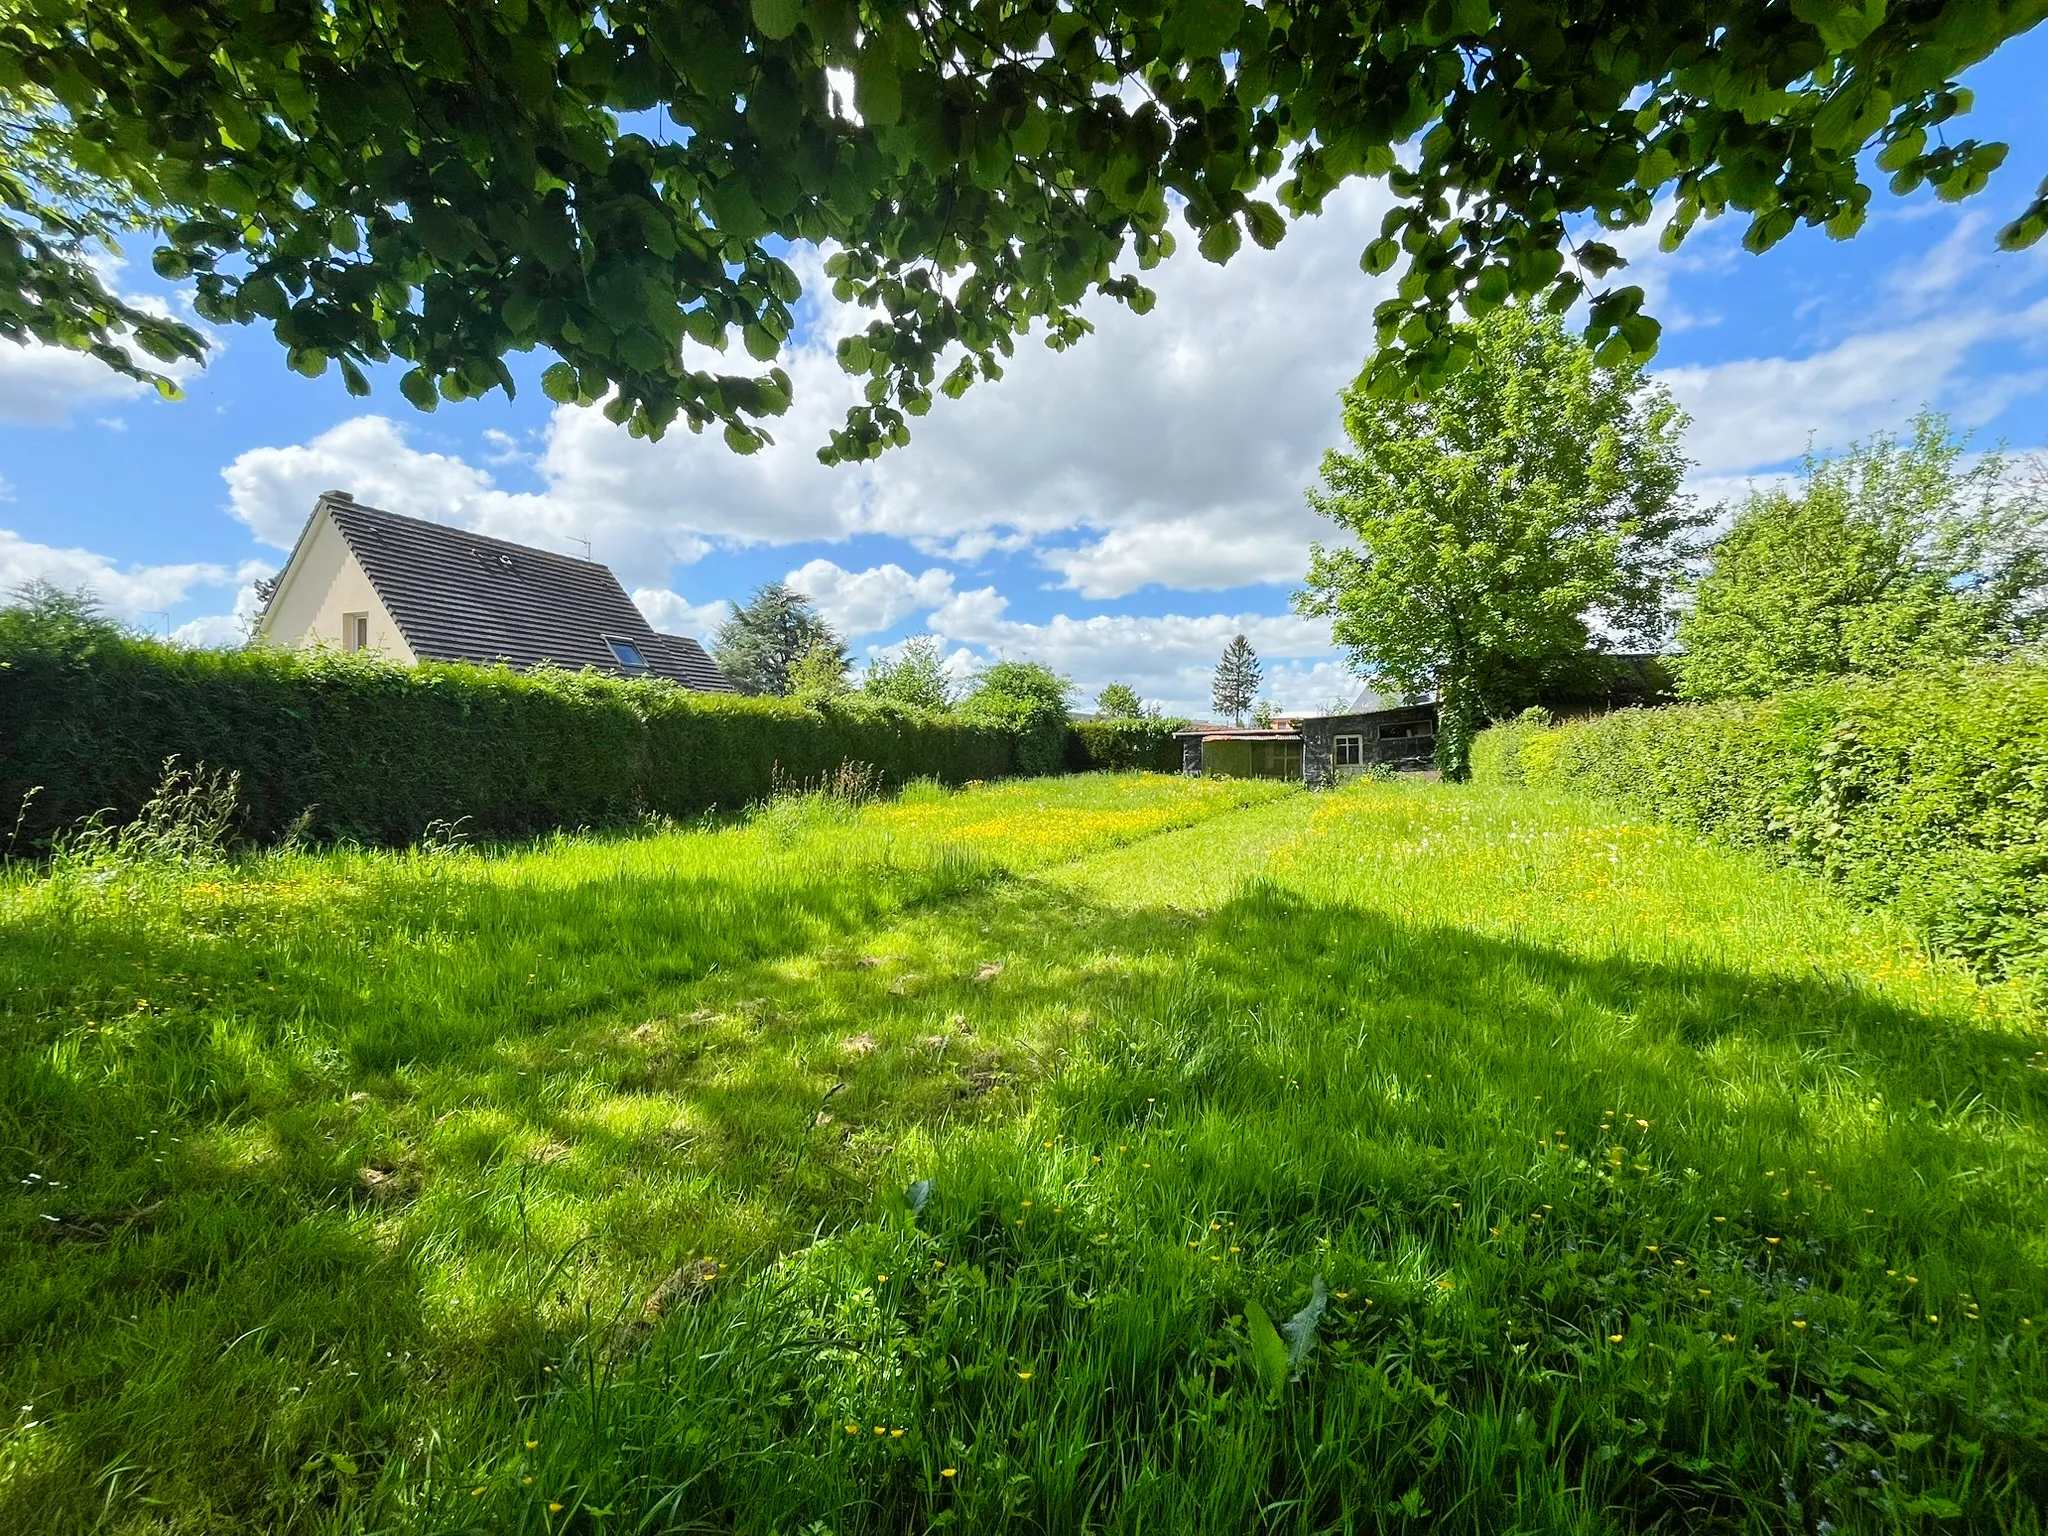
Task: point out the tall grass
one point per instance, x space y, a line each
584 1188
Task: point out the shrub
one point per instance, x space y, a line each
1927 792
1496 753
916 676
348 748
1030 702
1892 558
1123 743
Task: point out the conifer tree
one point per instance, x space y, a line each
1238 676
759 645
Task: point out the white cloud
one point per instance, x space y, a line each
1204 419
272 490
222 631
1170 659
1188 554
865 602
43 386
1762 411
126 593
673 614
1939 306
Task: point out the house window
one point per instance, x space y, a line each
627 654
355 631
1350 751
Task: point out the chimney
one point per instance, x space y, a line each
336 496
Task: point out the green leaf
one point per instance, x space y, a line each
777 19
1935 1506
1269 1354
1911 1442
1300 1329
419 390
1204 28
1842 24
1265 223
1380 257
352 378
877 89
1220 241
2029 226
1642 333
558 383
1902 151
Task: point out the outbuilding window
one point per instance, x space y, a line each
1350 751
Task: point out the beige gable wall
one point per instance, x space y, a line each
324 581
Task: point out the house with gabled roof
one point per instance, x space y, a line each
362 579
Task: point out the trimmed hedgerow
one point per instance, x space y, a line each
347 748
1926 792
1120 745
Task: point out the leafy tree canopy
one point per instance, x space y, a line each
1892 556
1237 680
1119 701
760 645
443 183
820 672
41 616
916 677
1030 699
1500 520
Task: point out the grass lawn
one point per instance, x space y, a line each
582 1187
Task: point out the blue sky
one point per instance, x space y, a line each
1118 511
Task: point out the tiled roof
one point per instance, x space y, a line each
459 596
690 664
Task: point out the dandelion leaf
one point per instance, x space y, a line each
1300 1329
1269 1354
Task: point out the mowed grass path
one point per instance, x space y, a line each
563 1190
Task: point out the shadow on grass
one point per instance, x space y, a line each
320 1203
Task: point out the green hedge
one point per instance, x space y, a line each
1927 793
1120 745
379 753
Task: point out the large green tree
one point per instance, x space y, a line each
760 645
1502 522
1894 555
443 183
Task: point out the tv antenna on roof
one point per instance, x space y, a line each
584 542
